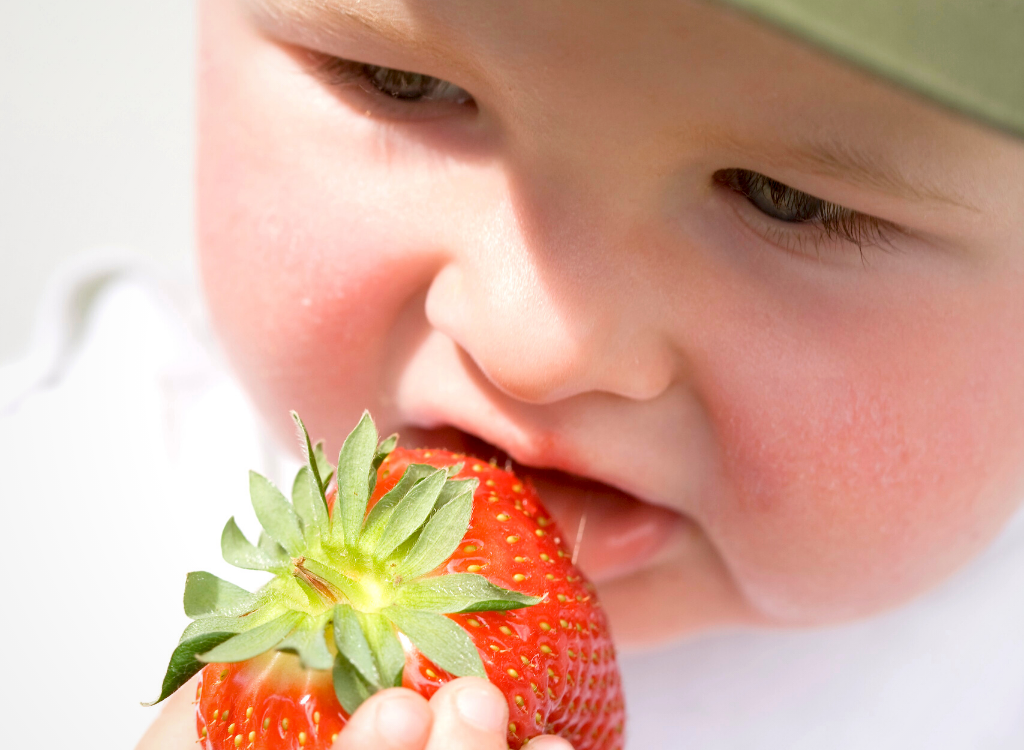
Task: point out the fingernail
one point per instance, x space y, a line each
482 709
402 721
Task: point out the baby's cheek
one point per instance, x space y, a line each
306 269
288 312
869 471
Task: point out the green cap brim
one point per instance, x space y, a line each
965 54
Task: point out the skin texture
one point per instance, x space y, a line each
821 431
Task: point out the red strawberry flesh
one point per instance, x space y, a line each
539 655
269 702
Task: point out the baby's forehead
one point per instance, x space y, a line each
963 56
577 50
581 49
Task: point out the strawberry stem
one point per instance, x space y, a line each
328 593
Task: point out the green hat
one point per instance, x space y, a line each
966 54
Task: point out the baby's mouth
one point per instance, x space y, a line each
611 534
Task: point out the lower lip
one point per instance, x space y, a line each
611 534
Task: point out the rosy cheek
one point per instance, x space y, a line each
306 274
283 308
865 457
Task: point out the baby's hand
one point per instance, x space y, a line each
466 714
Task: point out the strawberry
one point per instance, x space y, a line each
397 567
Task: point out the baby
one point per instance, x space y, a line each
751 319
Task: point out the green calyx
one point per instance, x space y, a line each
346 582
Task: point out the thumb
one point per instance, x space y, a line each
547 742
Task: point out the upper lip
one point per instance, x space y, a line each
532 450
524 447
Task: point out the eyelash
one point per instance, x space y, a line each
398 88
831 221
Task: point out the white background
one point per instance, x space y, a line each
96 140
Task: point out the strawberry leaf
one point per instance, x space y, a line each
240 552
384 448
354 466
313 457
206 595
183 663
386 648
440 537
276 514
381 511
352 643
272 548
309 642
350 688
409 514
324 466
214 624
254 642
311 507
454 488
460 592
439 639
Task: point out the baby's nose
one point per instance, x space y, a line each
541 339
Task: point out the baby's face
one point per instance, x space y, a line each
571 254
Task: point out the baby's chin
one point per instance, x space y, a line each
656 572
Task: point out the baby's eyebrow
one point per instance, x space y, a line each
856 166
338 15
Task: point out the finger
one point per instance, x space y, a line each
175 727
469 714
394 719
547 742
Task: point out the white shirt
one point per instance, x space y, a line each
126 446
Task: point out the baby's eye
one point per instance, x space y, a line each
785 204
402 85
773 198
